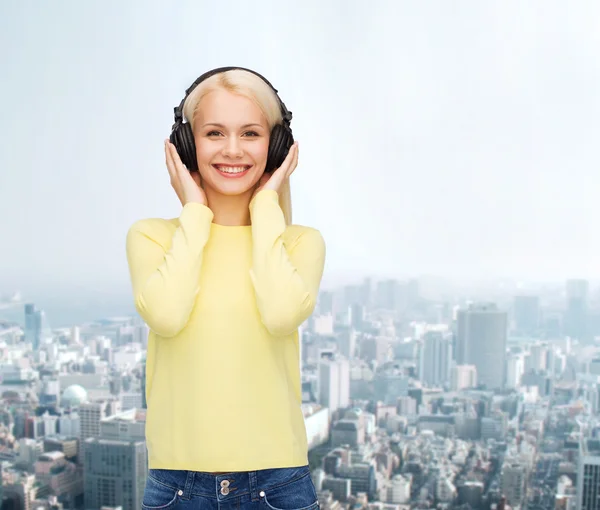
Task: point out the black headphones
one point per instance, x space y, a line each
280 141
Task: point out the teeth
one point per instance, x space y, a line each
232 169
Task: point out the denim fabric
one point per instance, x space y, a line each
265 489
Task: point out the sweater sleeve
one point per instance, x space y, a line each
286 269
165 267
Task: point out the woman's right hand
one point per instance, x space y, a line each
186 184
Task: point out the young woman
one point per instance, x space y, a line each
223 289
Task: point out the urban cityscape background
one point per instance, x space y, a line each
449 157
411 400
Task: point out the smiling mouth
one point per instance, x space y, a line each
231 170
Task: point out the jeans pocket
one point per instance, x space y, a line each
297 495
158 496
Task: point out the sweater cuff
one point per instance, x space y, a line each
196 210
264 196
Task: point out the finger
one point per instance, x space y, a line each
283 169
290 156
181 168
169 161
290 162
294 163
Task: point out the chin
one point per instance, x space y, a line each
231 191
231 187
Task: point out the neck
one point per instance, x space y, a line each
229 210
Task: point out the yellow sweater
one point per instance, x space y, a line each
223 304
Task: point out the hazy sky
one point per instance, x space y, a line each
450 138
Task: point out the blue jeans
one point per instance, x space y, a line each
265 489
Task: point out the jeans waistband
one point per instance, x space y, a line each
223 487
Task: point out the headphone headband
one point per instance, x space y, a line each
178 110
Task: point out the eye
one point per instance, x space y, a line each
251 133
213 133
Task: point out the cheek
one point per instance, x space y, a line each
203 157
260 150
202 151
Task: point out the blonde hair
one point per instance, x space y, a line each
254 88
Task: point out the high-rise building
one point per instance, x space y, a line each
375 348
515 368
347 342
50 392
356 315
576 313
538 358
91 413
362 477
526 314
116 462
435 358
463 377
36 326
75 335
406 406
399 489
481 336
326 303
334 383
513 483
140 335
588 476
115 473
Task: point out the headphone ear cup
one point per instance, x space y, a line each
279 145
182 138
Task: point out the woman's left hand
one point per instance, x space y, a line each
275 180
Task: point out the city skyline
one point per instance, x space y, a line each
404 399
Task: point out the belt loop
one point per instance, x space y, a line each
253 486
189 485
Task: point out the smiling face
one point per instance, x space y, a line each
232 142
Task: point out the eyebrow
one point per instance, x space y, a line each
222 126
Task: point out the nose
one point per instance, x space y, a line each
233 148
